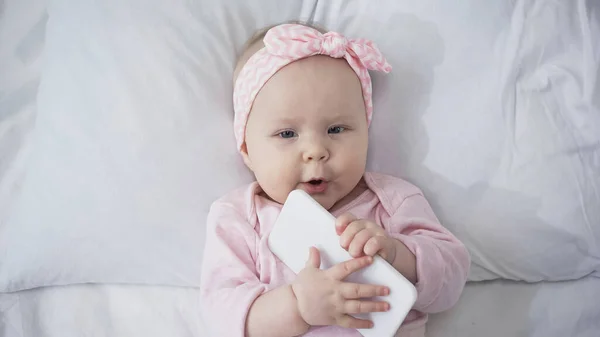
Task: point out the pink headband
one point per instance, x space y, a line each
287 43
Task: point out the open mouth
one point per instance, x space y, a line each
315 186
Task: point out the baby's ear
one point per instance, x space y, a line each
245 157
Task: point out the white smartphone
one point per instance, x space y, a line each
303 223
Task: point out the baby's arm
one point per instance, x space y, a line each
275 313
233 300
441 261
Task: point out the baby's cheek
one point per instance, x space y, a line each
281 181
355 160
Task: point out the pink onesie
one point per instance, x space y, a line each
238 265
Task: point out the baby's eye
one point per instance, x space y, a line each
287 134
336 129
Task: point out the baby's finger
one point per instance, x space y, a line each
347 321
358 242
342 270
343 221
362 307
375 245
348 235
353 291
314 258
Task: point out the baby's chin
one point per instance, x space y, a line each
325 201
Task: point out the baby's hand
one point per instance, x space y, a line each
364 237
324 299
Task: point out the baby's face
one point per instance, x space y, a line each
308 130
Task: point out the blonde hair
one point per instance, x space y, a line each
255 43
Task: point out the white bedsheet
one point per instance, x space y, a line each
494 309
490 309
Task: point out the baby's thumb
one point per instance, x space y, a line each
314 258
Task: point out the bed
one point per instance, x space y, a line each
494 309
492 108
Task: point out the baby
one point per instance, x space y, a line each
302 101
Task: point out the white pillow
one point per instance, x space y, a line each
492 108
133 140
21 44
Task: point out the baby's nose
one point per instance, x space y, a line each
316 153
318 157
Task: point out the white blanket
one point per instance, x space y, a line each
494 309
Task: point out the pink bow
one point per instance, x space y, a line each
298 41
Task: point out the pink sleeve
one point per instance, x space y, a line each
229 283
442 261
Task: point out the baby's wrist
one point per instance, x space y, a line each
299 321
405 261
